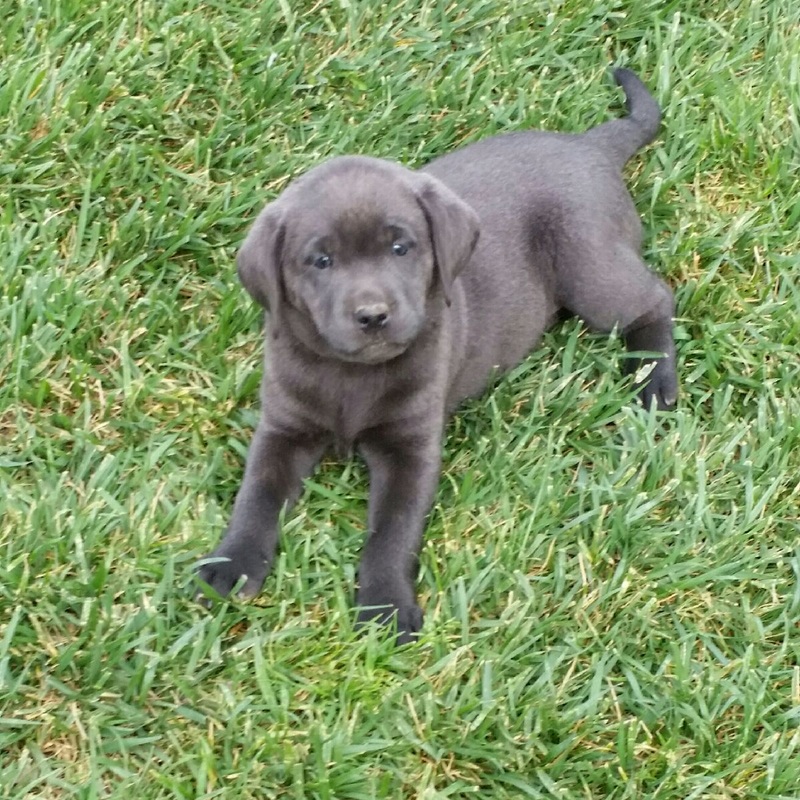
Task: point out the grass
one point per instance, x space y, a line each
612 598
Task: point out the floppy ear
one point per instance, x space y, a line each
259 262
454 229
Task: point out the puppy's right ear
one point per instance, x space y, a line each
259 262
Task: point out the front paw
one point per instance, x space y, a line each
386 610
656 382
232 568
660 386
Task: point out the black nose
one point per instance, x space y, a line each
372 317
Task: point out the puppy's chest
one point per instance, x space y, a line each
351 413
346 405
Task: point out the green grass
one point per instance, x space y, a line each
612 599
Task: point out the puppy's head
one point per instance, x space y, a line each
349 254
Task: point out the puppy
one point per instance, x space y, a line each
394 294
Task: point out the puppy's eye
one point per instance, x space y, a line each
323 262
399 249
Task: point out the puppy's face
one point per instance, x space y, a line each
349 254
358 263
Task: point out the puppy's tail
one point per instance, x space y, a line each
623 137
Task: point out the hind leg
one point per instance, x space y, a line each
618 290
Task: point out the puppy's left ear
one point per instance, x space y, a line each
454 229
258 262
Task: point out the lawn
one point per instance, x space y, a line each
612 596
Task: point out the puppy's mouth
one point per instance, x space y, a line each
375 349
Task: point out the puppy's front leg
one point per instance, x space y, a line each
404 474
276 465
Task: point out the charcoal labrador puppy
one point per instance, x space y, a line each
394 294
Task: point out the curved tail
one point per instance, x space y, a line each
623 137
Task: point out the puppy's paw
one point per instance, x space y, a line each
660 386
230 570
408 616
